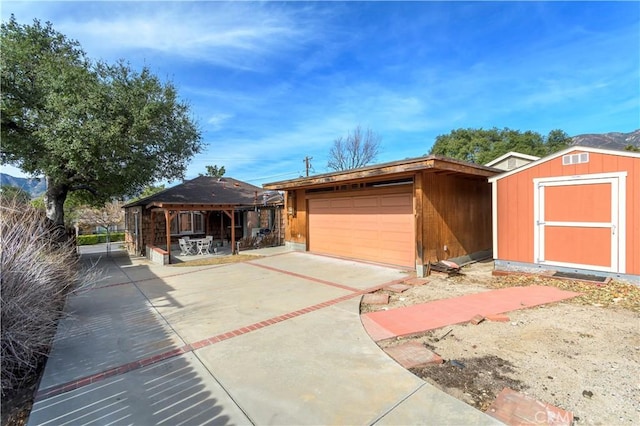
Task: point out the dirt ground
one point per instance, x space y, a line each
582 355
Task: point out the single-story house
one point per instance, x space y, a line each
225 208
406 213
576 211
511 160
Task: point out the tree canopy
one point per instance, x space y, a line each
214 171
480 146
105 130
356 150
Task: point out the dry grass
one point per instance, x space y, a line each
218 260
37 273
615 294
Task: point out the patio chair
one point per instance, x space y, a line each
185 247
203 246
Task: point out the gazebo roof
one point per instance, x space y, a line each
208 191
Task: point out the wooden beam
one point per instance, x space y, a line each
196 207
418 199
388 170
167 218
233 232
153 230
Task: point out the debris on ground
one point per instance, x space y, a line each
575 354
614 294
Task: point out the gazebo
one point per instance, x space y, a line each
225 208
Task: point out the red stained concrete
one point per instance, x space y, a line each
440 313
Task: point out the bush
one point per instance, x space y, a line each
87 240
37 272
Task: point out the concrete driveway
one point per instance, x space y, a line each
276 340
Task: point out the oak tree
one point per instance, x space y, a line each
480 146
101 130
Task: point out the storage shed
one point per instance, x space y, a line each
406 213
576 211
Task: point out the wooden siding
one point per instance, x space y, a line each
456 213
454 210
296 225
515 210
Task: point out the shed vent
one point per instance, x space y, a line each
575 159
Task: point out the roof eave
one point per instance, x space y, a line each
561 153
396 168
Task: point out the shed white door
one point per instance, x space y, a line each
580 223
372 227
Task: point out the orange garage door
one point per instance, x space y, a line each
372 227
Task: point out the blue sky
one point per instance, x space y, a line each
273 82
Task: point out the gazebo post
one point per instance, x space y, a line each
153 229
233 231
167 221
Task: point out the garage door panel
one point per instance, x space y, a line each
370 227
397 200
366 202
341 203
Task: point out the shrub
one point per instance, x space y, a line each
38 269
86 240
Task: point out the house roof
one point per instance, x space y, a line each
209 191
561 153
512 154
405 167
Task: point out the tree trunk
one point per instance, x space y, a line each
54 201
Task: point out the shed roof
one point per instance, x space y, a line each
512 154
207 190
564 152
408 166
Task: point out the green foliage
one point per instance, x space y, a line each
86 240
480 146
148 191
632 148
102 130
214 171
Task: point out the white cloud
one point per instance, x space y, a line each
238 35
217 120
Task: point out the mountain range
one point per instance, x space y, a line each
613 140
34 186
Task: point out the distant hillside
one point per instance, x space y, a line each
36 187
613 140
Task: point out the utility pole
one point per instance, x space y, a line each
307 163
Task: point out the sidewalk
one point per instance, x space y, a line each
383 325
277 340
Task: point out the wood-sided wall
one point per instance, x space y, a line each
515 209
295 209
456 213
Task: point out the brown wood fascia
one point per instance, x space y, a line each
198 207
393 170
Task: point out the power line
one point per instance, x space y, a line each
272 176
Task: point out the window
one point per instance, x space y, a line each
187 223
575 159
